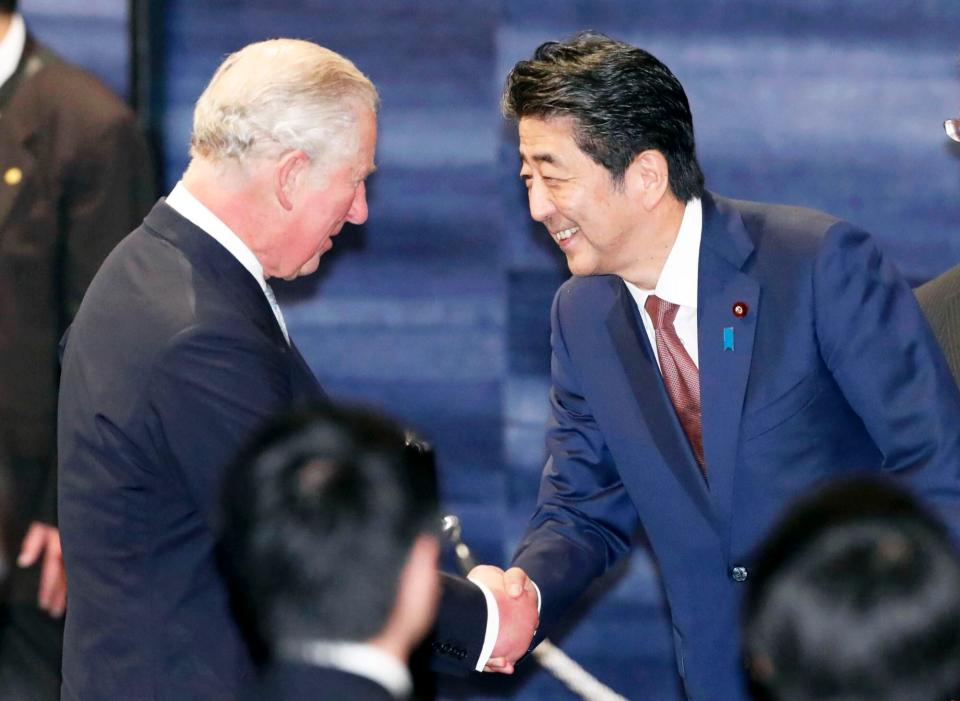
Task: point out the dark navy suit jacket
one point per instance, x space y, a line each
832 370
173 359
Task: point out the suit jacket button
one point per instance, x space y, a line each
739 574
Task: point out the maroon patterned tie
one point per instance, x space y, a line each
680 375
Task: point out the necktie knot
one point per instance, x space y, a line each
661 311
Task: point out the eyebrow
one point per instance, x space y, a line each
540 158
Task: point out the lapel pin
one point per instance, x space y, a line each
740 309
13 176
728 338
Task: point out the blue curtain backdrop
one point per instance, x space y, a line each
92 33
437 308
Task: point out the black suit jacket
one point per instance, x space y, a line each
300 682
75 178
174 358
940 301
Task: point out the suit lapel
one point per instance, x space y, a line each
727 309
648 395
17 130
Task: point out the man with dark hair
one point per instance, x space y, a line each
711 357
330 537
75 177
855 595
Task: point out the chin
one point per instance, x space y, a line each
580 267
308 268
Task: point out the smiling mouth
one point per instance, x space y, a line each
564 234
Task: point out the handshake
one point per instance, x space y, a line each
519 611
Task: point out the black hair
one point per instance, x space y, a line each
855 596
622 99
319 514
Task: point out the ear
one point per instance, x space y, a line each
647 178
415 606
761 667
419 587
289 175
421 565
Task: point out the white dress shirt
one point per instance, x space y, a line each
678 283
192 209
355 658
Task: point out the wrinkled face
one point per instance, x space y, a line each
593 221
326 203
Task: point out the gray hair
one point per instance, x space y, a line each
280 95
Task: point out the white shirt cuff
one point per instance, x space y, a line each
493 626
493 622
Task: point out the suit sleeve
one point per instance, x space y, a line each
584 520
457 637
211 391
878 346
107 188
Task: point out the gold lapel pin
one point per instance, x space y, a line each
13 176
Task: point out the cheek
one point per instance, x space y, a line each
573 204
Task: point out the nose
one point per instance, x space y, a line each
358 208
541 204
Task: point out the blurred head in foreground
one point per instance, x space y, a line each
330 533
855 597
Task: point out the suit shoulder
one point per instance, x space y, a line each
152 281
588 286
71 97
783 234
786 220
584 292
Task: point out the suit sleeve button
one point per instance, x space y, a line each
739 574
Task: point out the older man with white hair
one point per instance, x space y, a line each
179 351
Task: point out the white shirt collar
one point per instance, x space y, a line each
192 209
678 279
11 47
356 658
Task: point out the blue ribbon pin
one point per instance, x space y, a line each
728 338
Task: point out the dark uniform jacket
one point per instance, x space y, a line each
75 177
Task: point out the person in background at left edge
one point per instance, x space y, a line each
75 177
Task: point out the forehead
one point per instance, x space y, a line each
549 140
360 163
367 130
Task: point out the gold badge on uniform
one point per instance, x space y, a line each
13 176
